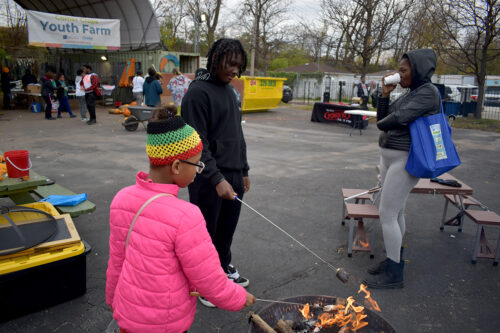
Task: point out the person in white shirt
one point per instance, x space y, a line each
361 90
80 95
137 83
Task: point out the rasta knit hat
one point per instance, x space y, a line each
171 139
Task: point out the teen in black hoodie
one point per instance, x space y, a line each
210 106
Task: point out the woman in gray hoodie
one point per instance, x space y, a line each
422 99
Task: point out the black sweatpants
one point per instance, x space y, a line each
90 100
221 215
48 107
6 100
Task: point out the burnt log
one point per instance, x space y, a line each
283 327
258 321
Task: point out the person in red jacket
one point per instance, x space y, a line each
90 84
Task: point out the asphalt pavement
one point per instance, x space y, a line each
297 171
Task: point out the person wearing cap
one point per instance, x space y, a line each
6 86
169 251
137 84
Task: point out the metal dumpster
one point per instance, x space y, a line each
259 93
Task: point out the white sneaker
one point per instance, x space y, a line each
206 302
232 274
84 119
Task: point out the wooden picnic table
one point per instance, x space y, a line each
425 186
18 190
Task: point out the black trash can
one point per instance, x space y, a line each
326 97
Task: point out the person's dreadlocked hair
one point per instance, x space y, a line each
225 47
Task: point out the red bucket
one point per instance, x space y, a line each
18 163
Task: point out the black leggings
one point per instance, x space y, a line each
48 107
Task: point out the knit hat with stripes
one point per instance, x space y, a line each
171 139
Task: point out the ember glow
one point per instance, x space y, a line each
364 244
346 316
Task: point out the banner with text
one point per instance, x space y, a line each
62 31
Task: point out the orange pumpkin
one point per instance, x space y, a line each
133 103
126 112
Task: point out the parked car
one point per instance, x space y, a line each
287 94
452 94
491 96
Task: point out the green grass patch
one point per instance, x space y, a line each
488 125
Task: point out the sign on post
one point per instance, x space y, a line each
62 31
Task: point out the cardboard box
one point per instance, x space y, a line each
34 88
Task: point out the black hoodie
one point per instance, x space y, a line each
211 107
422 100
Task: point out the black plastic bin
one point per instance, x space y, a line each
40 287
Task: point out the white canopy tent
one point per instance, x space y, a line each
139 28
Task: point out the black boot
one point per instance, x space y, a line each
380 267
391 277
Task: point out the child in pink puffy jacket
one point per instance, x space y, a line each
169 251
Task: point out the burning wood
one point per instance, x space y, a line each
344 315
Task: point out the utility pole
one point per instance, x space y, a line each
197 32
254 44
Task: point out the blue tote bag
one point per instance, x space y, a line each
432 151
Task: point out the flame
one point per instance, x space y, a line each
364 244
305 311
370 302
348 317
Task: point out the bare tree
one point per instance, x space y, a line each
211 10
366 26
170 14
266 15
473 28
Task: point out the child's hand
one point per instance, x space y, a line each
250 300
225 190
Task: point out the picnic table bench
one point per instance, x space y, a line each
84 207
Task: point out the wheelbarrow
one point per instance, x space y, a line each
138 114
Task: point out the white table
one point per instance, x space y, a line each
359 122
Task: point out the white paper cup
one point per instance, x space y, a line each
392 79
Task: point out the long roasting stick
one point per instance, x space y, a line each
195 293
370 191
339 272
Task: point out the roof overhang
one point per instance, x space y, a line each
139 28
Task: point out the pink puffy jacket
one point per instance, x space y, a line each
169 254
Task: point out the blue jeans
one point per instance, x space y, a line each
64 105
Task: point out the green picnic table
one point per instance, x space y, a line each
20 192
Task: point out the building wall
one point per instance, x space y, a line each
111 70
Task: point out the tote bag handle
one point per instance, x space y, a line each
140 211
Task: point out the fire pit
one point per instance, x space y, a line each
271 314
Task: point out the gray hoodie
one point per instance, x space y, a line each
421 100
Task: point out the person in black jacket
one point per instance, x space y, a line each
6 86
416 69
48 93
210 106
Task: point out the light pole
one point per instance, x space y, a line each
197 20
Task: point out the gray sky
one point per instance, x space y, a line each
310 10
